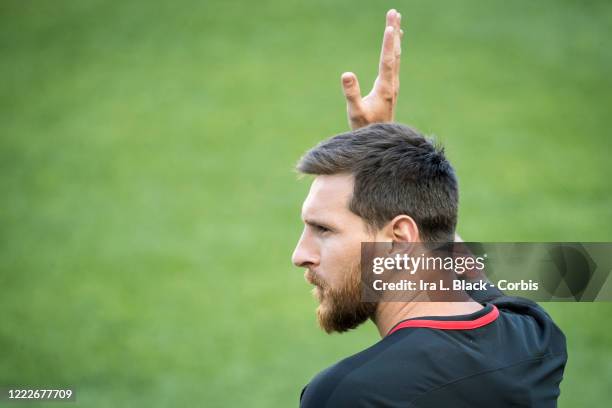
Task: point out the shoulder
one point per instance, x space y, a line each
527 322
409 364
382 373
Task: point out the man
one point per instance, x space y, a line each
386 183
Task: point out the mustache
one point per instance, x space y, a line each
314 279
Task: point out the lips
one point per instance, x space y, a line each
309 278
318 289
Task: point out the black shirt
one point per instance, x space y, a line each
508 354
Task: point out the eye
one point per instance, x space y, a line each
321 229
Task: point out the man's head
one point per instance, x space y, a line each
381 183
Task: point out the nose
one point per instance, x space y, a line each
305 253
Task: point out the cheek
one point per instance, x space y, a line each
339 253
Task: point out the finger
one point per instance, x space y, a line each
384 83
397 26
390 17
397 51
350 87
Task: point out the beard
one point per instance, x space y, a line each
341 309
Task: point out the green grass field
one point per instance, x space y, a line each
149 207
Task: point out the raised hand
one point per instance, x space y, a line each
379 104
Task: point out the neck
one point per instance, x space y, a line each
388 314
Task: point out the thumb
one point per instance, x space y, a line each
350 87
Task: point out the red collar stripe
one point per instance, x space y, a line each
449 324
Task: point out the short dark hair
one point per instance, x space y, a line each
397 171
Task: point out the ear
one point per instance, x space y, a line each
403 229
400 233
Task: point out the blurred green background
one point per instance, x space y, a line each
149 207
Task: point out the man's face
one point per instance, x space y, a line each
330 250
